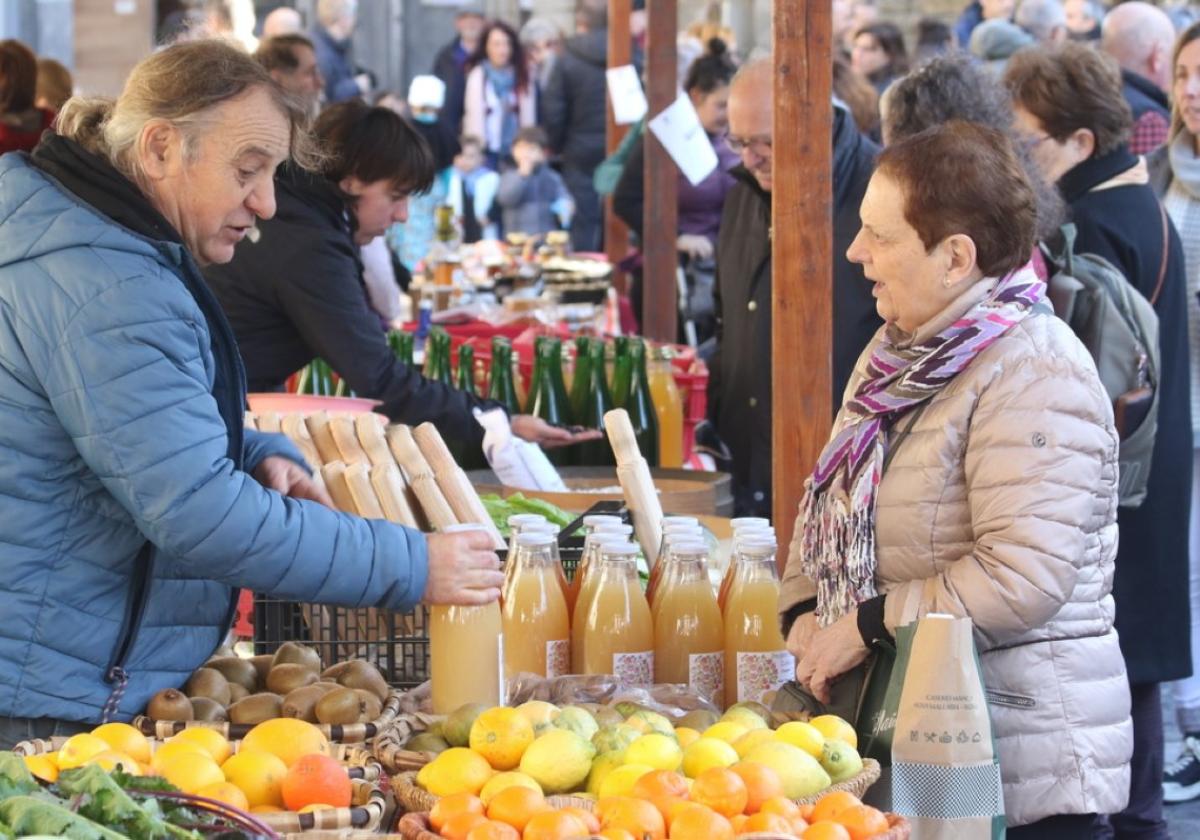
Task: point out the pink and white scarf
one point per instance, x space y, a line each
838 510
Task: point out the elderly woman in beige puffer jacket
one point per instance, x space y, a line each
972 471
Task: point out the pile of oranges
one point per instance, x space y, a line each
719 804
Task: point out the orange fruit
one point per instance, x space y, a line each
825 830
316 778
761 782
554 825
452 805
313 807
492 830
722 790
613 833
739 823
266 809
228 793
516 806
637 816
585 816
863 821
287 738
806 811
662 788
258 774
79 748
770 823
126 739
699 821
192 771
832 804
209 740
460 825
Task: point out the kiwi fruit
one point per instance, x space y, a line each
302 703
372 708
237 692
170 704
328 685
210 683
256 708
236 671
426 742
340 707
335 671
262 667
284 679
206 709
291 653
698 719
364 675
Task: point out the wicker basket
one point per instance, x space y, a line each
857 784
388 745
351 733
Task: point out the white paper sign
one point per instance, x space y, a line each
625 91
678 129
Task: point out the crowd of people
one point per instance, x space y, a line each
254 200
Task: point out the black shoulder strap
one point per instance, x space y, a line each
895 444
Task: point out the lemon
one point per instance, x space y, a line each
171 749
191 772
686 736
660 751
112 759
78 749
751 740
840 760
577 720
646 721
210 740
559 760
615 738
833 727
258 774
43 767
501 736
540 714
604 764
286 738
501 781
125 739
726 730
801 774
457 770
747 718
620 781
706 753
456 728
228 793
803 735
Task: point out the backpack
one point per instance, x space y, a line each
1119 327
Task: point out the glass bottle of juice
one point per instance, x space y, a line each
596 403
618 637
671 524
500 378
552 530
690 638
466 653
640 405
587 576
535 613
668 405
756 656
587 561
740 535
517 523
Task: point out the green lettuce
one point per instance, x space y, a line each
103 800
29 815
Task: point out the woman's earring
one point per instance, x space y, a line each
946 281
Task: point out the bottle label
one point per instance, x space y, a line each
634 668
500 691
706 674
758 673
558 657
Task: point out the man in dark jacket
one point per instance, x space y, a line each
739 394
297 292
574 117
450 65
331 39
1141 38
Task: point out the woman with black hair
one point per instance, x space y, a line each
879 54
700 205
500 100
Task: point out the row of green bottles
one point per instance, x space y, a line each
401 343
595 403
437 357
316 379
501 387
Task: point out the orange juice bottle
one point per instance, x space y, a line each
690 639
618 637
552 529
673 527
756 656
516 523
535 613
586 561
466 653
589 577
739 535
668 405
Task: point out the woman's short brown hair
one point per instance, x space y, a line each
965 178
1069 87
373 144
54 83
18 77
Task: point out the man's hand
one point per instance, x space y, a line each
831 652
694 245
536 430
463 569
285 476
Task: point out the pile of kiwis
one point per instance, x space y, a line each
288 683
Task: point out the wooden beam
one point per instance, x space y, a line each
802 271
620 53
659 312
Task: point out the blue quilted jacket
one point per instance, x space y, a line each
115 430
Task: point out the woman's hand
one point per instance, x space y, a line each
285 476
800 636
832 651
536 430
694 245
463 569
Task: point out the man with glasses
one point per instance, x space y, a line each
739 394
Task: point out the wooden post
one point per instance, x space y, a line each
660 218
802 274
620 49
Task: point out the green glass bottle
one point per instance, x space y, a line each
598 402
581 380
555 359
500 379
466 369
437 357
535 375
622 373
545 400
640 404
401 343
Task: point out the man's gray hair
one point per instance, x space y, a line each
330 12
1040 18
538 30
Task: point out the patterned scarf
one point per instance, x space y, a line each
838 510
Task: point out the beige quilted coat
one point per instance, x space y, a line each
1001 505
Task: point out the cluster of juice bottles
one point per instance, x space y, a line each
726 643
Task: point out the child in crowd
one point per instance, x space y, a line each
471 191
533 198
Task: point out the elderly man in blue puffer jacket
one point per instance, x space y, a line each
132 504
